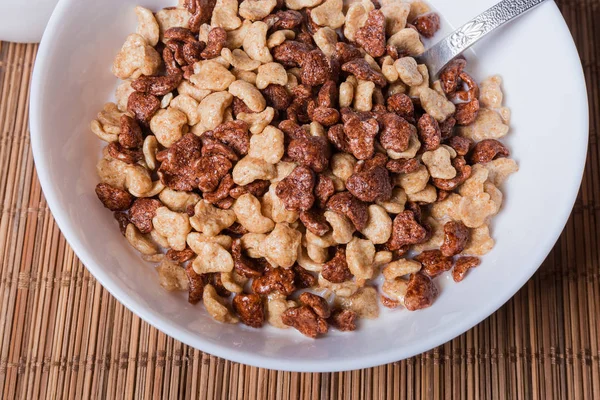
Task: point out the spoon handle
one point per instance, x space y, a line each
471 32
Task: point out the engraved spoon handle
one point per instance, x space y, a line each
470 33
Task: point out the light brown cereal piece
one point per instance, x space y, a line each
173 226
401 267
215 306
271 73
250 169
342 165
212 257
316 129
396 14
112 172
480 242
155 258
425 196
247 76
189 106
360 255
235 37
139 241
417 7
413 147
281 245
258 121
178 201
408 71
255 42
395 290
267 145
363 97
247 209
168 18
439 164
122 95
341 229
139 183
136 58
147 25
415 91
203 32
306 262
278 37
364 302
325 39
395 205
347 90
251 243
172 277
211 75
185 87
382 258
407 40
233 282
474 185
490 92
415 181
300 4
500 169
488 125
317 254
150 148
107 127
344 289
159 239
166 100
194 238
397 87
379 227
447 208
292 82
329 14
212 110
437 235
225 15
249 94
436 105
255 10
274 208
239 60
324 241
388 69
495 195
475 210
277 304
168 126
356 17
211 220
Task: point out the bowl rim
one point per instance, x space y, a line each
41 159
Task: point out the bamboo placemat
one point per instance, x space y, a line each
63 336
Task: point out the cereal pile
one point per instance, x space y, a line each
277 157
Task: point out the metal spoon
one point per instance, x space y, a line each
470 33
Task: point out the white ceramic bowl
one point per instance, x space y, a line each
24 20
545 89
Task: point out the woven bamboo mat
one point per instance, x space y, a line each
63 336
